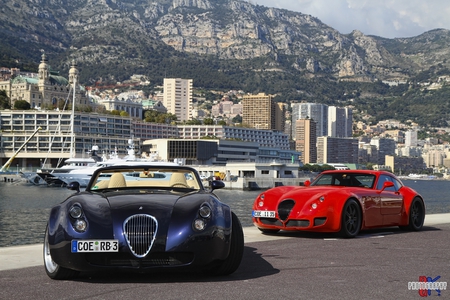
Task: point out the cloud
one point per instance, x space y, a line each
385 18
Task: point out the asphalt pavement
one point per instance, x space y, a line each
378 264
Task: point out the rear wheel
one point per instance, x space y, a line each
351 219
53 270
232 262
416 215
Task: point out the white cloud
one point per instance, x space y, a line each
386 18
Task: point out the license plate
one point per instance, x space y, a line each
95 246
263 214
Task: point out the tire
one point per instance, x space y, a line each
53 270
351 219
232 262
416 215
268 231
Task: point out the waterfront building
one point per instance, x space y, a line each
228 158
52 144
265 138
178 97
108 132
405 165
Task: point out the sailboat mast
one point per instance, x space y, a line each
72 123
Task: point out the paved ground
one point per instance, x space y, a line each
378 264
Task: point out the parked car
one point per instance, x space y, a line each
143 217
344 201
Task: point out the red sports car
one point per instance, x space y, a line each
344 201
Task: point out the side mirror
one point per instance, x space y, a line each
387 184
307 183
74 186
216 184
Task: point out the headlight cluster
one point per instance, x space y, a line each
314 204
79 222
204 213
261 200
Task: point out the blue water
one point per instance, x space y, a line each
24 208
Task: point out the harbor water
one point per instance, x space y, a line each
24 208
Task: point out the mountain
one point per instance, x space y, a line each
220 44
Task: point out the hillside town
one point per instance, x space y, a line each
243 127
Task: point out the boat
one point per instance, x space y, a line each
82 175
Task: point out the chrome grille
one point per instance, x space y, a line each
140 232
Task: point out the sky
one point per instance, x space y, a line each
384 18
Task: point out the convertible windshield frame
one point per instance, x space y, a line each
157 177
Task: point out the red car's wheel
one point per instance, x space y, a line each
416 215
351 219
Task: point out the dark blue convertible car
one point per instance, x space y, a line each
143 217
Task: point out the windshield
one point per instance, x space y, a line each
165 178
345 179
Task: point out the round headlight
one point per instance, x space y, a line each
262 196
261 203
314 205
75 211
80 225
199 224
322 198
204 212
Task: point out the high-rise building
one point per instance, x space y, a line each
178 97
411 138
314 111
261 112
305 140
337 150
340 121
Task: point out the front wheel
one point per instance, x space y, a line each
232 262
53 270
416 215
351 219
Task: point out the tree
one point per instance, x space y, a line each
208 121
22 105
5 102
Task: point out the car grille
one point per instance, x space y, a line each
284 209
158 259
140 232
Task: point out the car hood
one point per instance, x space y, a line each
304 194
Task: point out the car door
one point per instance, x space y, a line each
391 199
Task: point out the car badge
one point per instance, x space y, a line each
141 208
